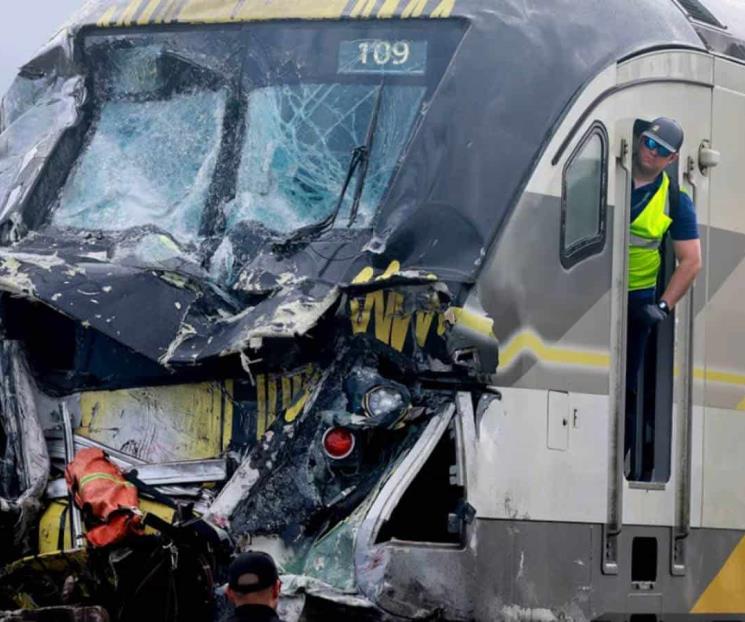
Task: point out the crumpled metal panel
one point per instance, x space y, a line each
24 461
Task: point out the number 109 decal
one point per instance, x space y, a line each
383 56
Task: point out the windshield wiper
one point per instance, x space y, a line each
359 164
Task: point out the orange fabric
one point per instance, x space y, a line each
109 502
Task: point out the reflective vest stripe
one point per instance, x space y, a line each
635 240
646 234
108 476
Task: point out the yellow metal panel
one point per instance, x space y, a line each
157 423
294 410
726 592
227 419
741 405
50 523
49 527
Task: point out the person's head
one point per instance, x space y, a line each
658 146
253 580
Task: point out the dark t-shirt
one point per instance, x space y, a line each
254 613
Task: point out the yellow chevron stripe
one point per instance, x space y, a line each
726 592
711 375
363 8
227 414
444 9
147 14
388 9
107 17
290 9
128 15
528 341
415 8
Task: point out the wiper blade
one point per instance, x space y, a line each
359 163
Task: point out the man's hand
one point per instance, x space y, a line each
650 315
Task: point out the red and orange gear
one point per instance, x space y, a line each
109 502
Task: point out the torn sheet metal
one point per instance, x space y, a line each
24 462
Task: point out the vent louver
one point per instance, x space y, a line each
699 12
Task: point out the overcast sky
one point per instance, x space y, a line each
24 27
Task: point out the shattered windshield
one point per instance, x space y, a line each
197 133
299 141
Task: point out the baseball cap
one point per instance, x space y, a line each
252 572
667 132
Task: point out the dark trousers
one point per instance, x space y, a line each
636 345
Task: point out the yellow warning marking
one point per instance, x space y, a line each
107 17
423 326
286 392
271 401
149 11
415 8
166 14
363 8
444 9
365 275
260 406
528 341
297 384
293 411
723 377
392 269
227 418
128 15
725 593
289 9
479 323
389 8
207 11
741 405
401 322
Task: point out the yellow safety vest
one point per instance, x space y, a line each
646 235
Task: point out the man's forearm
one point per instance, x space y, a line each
681 281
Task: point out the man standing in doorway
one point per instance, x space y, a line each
657 205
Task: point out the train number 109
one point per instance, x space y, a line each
382 53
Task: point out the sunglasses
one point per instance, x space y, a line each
651 144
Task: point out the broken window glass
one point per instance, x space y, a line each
299 141
147 163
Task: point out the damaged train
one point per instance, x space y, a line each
345 281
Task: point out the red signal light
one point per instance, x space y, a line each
338 443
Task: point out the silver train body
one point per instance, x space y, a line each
515 190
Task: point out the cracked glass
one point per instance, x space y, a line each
298 145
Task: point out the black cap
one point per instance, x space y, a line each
252 572
667 132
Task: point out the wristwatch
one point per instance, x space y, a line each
664 306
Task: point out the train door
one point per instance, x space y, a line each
651 483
